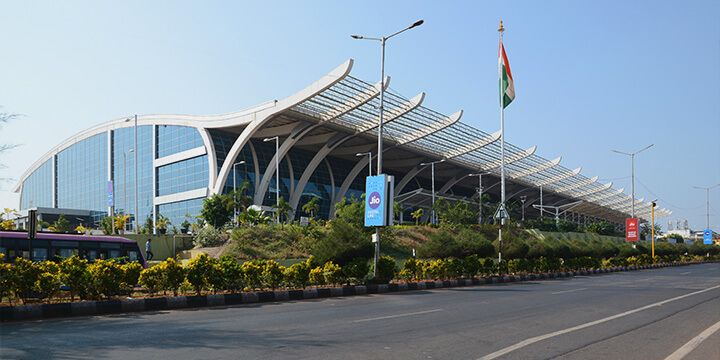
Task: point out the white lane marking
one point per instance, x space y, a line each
397 316
567 291
533 340
685 273
692 344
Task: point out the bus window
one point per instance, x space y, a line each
132 256
114 254
3 250
40 254
92 255
67 253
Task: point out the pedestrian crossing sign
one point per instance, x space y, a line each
501 213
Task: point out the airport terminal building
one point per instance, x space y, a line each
167 164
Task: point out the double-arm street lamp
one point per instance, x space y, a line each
432 166
277 176
632 174
382 40
707 201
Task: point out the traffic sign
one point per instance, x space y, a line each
501 213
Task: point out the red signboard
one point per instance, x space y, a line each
631 229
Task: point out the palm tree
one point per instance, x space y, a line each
312 207
397 210
251 217
282 208
417 214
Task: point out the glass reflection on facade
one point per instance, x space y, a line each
81 173
123 171
37 189
182 176
176 211
174 139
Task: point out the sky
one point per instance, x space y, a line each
590 76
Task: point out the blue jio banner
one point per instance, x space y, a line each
375 200
707 237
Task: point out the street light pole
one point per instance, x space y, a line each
125 182
369 155
135 226
136 175
632 174
235 214
707 202
480 193
432 166
277 176
652 227
523 198
380 122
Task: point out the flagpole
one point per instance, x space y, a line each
501 29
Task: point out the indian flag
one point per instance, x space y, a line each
507 86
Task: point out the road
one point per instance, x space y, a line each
646 314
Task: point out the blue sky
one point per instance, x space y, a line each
590 76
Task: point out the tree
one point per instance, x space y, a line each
5 118
253 217
455 212
62 224
417 214
120 221
486 206
148 227
5 222
241 197
312 207
217 210
397 210
74 274
107 225
646 230
282 209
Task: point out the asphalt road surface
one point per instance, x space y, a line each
667 313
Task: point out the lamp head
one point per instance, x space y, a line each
417 23
356 37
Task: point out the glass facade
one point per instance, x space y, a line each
183 176
174 139
176 211
123 172
81 176
37 189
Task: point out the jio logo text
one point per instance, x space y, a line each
374 200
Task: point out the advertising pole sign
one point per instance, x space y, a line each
631 229
375 197
707 237
111 200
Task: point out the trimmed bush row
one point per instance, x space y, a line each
116 306
107 278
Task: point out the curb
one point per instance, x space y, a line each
120 306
